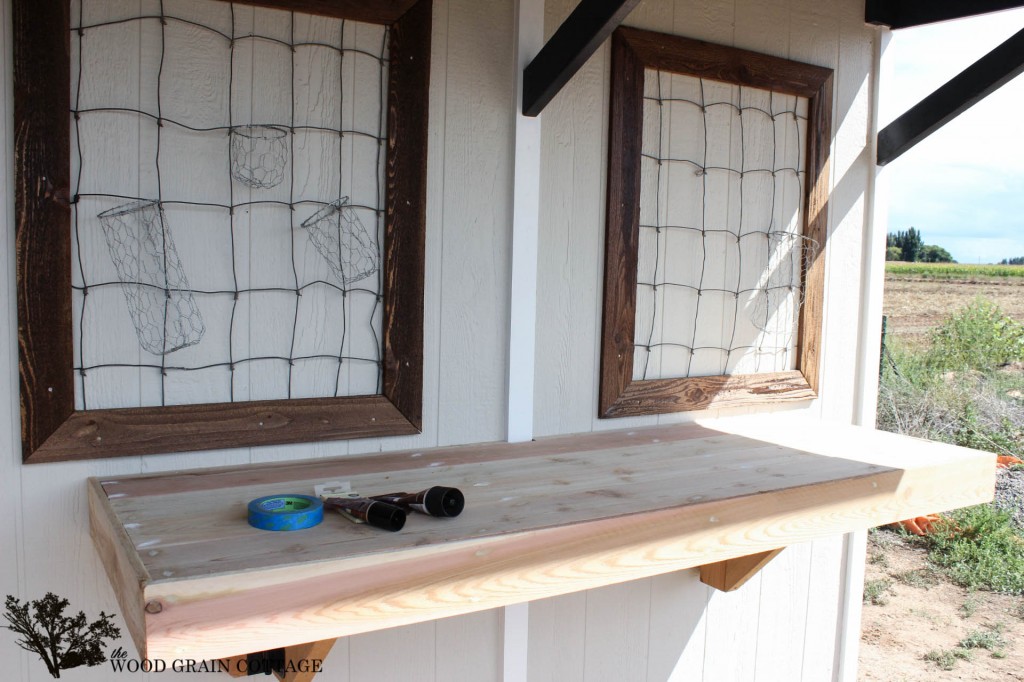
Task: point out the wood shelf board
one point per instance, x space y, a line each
553 516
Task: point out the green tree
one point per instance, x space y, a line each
930 253
1019 260
61 641
911 245
893 253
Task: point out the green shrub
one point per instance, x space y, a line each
980 549
946 658
991 639
978 337
877 591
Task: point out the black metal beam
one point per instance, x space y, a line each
907 13
569 48
970 86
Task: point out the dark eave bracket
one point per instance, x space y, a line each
907 13
970 86
569 48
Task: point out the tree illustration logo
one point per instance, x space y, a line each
61 641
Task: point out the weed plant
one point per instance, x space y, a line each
980 549
965 388
958 390
978 337
946 658
877 591
991 639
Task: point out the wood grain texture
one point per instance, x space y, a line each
51 428
659 396
730 575
42 99
220 478
819 144
372 11
93 434
633 50
406 206
622 237
534 527
724 63
124 568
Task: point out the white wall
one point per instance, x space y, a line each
47 546
781 626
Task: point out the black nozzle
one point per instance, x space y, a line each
442 501
385 516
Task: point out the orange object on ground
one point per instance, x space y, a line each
920 525
1007 461
924 525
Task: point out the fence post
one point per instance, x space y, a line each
881 355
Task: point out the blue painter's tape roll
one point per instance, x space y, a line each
285 512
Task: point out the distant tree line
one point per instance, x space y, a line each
907 245
1019 260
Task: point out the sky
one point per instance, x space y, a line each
963 186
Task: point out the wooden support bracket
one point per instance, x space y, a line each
963 91
299 663
569 48
731 574
908 13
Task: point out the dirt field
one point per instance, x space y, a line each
917 611
918 617
914 306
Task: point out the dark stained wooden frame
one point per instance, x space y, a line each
634 50
51 428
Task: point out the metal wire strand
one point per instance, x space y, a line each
772 303
167 312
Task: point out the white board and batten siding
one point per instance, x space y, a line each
783 625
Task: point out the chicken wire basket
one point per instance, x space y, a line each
259 155
780 290
342 240
162 307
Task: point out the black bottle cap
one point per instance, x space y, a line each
442 501
386 516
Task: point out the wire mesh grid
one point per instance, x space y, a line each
722 257
227 175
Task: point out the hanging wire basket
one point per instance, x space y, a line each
160 302
259 155
780 290
342 240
